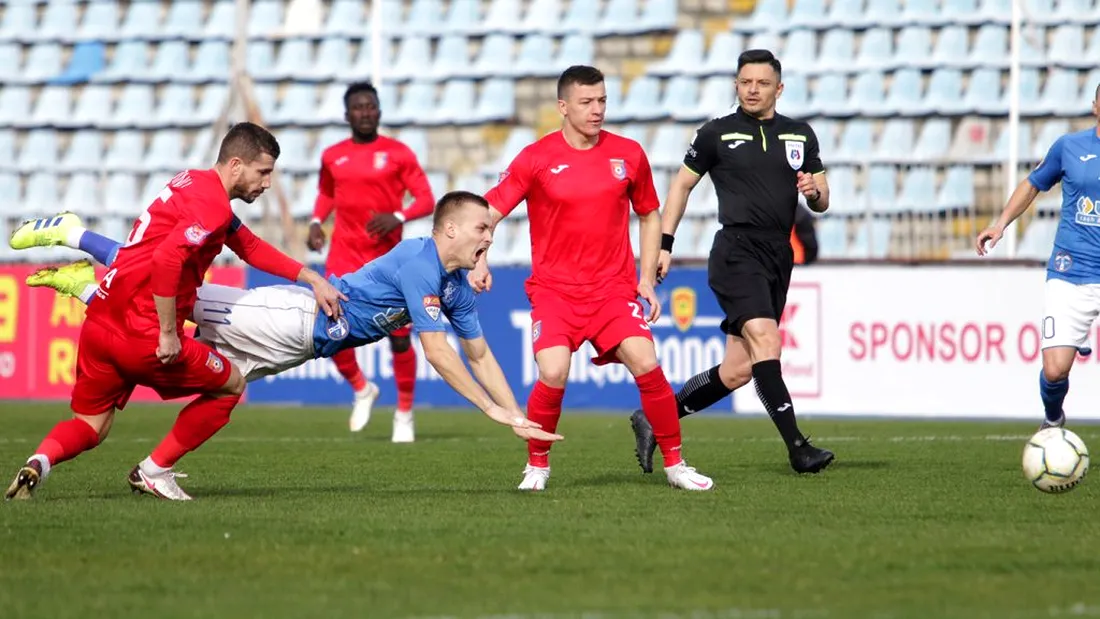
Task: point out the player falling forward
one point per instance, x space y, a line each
1073 271
579 184
364 179
133 334
267 330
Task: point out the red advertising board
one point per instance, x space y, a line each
39 330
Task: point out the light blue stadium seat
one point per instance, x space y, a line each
1068 49
760 40
613 85
183 19
723 47
327 137
417 141
295 146
142 21
872 239
995 11
924 13
20 22
869 94
843 197
361 65
829 97
463 17
100 22
984 94
1033 52
957 191
1038 239
880 192
519 138
826 131
945 94
11 61
896 140
294 60
619 17
425 18
1049 133
304 196
455 103
502 16
40 151
211 102
165 151
1085 12
883 13
686 54
7 150
1088 89
495 57
950 50
905 96
934 140
575 49
856 142
260 59
1059 92
43 62
15 105
86 59
1000 151
918 190
58 22
211 63
642 101
126 151
496 103
658 15
766 15
669 143
41 194
176 107
639 132
800 51
990 47
542 16
53 106
171 59
414 56
347 18
809 14
82 194
845 14
535 58
681 97
85 152
298 106
876 50
121 195
331 109
837 50
93 107
795 101
128 62
417 103
832 237
914 46
221 23
452 58
1040 12
580 17
133 107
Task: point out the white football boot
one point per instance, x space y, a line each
403 429
162 485
683 476
534 478
360 411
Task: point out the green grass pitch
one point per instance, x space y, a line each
295 517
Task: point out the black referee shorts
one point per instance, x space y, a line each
749 271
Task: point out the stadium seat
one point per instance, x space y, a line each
495 58
171 59
417 102
302 18
11 62
362 64
808 14
425 18
856 142
580 17
895 143
795 101
326 138
221 23
331 109
1038 238
502 16
43 63
41 194
642 102
85 60
452 58
876 50
883 13
82 195
211 63
7 150
84 154
669 143
542 16
681 98
294 143
305 196
516 141
843 198
880 191
1049 133
905 95
198 156
265 18
211 102
950 50
658 15
957 191
984 94
837 51
1084 12
844 14
687 52
39 152
724 47
995 11
15 106
619 17
346 18
58 22
142 21
924 13
496 103
1067 47
945 96
121 195
990 47
100 22
765 16
914 46
298 106
134 107
575 49
830 97
53 107
934 140
1059 89
294 60
456 101
832 237
463 17
1025 147
20 22
128 62
126 151
964 12
872 239
869 94
918 190
92 108
825 130
535 58
800 52
417 141
414 57
183 20
165 151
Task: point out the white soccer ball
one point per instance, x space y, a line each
1055 460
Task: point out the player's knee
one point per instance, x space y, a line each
400 343
762 337
100 423
1055 372
235 385
553 374
1057 363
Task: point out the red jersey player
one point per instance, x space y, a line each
579 184
364 179
133 334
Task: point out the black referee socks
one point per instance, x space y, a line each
768 376
701 392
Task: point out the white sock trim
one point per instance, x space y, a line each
88 292
43 463
151 468
73 238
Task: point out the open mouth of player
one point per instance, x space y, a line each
479 253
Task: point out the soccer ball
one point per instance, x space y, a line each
1055 460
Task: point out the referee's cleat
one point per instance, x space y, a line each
69 280
1058 423
644 441
26 480
45 232
805 458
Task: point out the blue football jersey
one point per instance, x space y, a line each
1074 159
407 285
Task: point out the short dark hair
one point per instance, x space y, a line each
1098 91
355 88
247 141
452 201
760 56
578 74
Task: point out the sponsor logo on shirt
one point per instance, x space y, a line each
559 169
214 363
1087 157
195 234
341 160
1086 212
337 329
380 160
794 154
618 169
1062 262
736 144
684 307
431 306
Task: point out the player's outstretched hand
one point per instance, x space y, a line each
645 291
481 280
316 240
328 297
382 224
523 427
991 236
664 264
168 348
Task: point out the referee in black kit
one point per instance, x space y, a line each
759 162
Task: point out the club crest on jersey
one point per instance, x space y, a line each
337 329
618 169
195 234
1062 262
794 154
432 306
380 160
449 292
214 363
1086 212
536 330
683 307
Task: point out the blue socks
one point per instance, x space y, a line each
100 247
1053 394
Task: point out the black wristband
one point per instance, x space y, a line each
666 242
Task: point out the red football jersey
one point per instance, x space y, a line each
170 248
578 204
360 180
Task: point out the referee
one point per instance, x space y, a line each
759 162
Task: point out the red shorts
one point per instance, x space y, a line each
556 321
340 268
109 366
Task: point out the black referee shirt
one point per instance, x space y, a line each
753 165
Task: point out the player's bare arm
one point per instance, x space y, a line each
650 240
168 345
675 205
1021 198
481 280
491 376
328 297
815 188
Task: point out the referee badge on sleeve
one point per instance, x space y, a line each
794 154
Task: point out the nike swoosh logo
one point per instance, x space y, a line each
1085 158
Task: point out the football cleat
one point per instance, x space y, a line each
25 482
360 411
805 458
45 232
1059 423
162 486
69 280
404 430
683 476
534 478
644 441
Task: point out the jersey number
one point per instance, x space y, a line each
637 313
143 220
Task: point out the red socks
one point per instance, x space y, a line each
659 406
68 440
349 368
196 423
404 374
544 408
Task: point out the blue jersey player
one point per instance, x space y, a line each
266 330
1073 272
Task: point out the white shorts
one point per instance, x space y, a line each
262 331
1069 313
